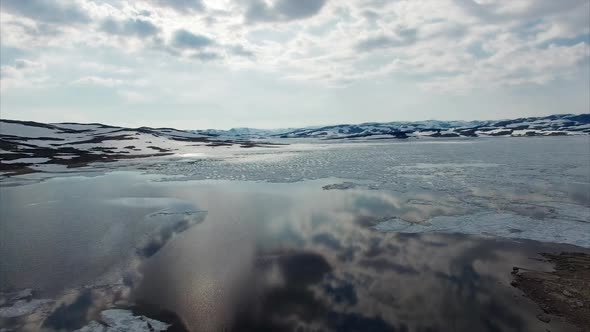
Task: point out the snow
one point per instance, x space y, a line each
384 136
95 128
494 131
427 128
27 161
425 133
190 155
65 156
49 168
167 141
549 132
524 132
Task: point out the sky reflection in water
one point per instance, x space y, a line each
259 256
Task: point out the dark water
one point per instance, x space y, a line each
249 256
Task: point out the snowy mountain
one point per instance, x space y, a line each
564 124
26 143
251 133
31 146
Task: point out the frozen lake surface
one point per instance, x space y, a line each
396 236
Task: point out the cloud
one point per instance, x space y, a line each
23 73
241 51
373 43
184 39
130 27
525 67
455 44
10 54
21 68
23 64
105 68
134 97
109 82
182 6
282 10
97 80
497 10
404 37
206 56
447 47
48 11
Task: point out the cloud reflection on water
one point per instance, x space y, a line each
306 259
293 256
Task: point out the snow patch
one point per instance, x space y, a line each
26 161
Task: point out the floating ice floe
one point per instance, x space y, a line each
117 320
501 225
20 303
23 307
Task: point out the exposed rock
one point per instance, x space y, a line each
564 292
340 186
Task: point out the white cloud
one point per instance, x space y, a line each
23 73
455 44
134 97
105 68
97 80
109 82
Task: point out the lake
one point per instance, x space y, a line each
396 236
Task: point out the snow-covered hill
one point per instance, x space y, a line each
30 146
251 133
565 124
25 143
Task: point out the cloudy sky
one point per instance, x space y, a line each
287 63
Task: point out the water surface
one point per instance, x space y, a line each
414 237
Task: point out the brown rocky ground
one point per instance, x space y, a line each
564 292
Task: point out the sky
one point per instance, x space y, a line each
196 64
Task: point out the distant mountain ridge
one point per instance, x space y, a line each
552 125
27 146
245 132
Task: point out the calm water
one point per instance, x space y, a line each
248 255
